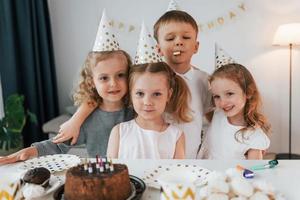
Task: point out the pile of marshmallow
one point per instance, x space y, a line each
232 185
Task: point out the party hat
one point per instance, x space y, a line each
106 38
173 5
221 57
147 49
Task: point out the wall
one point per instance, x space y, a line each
247 37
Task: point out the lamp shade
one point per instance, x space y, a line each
287 34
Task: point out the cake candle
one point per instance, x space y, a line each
101 166
111 166
97 164
90 168
85 166
106 164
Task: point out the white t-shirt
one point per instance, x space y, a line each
220 142
138 143
197 82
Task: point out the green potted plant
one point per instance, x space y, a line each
12 124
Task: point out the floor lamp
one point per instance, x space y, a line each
288 35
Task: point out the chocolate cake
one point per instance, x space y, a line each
107 185
39 175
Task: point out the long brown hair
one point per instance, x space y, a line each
86 91
252 114
179 101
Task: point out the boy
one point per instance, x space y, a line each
176 34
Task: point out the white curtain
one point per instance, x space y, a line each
1 102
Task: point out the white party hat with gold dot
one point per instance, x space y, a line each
173 5
147 49
222 57
106 38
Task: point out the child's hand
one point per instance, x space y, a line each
67 130
21 155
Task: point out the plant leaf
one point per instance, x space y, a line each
32 117
15 118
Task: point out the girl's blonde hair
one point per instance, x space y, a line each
240 75
86 91
179 101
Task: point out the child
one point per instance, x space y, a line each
238 130
104 81
176 33
148 136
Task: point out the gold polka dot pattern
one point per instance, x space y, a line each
106 38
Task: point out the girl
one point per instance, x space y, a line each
154 89
104 81
238 130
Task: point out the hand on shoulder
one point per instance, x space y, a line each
68 130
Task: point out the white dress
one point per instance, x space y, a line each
138 143
220 142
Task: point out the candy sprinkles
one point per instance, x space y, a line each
102 165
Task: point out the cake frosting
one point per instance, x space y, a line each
31 191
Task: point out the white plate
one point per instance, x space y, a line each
132 193
198 174
53 163
54 183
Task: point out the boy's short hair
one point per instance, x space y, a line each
174 16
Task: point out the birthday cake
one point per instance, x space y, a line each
84 183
